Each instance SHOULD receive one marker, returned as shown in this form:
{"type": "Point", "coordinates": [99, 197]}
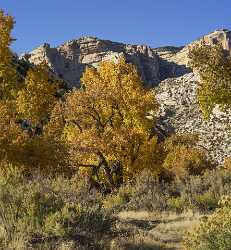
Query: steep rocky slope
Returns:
{"type": "Point", "coordinates": [69, 60]}
{"type": "Point", "coordinates": [174, 61]}
{"type": "Point", "coordinates": [165, 68]}
{"type": "Point", "coordinates": [177, 95]}
{"type": "Point", "coordinates": [180, 113]}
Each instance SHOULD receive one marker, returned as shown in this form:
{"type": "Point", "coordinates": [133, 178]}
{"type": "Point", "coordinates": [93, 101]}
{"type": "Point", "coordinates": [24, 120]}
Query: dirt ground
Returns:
{"type": "Point", "coordinates": [146, 231]}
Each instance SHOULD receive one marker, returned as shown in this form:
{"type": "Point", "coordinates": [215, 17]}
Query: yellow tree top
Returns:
{"type": "Point", "coordinates": [36, 100]}
{"type": "Point", "coordinates": [214, 67]}
{"type": "Point", "coordinates": [8, 75]}
{"type": "Point", "coordinates": [106, 119]}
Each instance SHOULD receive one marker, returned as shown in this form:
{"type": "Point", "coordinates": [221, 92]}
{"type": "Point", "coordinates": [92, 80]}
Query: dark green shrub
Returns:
{"type": "Point", "coordinates": [205, 202]}
{"type": "Point", "coordinates": [177, 204]}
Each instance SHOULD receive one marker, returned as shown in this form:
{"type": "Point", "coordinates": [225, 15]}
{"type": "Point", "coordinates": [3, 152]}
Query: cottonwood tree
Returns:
{"type": "Point", "coordinates": [106, 123]}
{"type": "Point", "coordinates": [41, 150]}
{"type": "Point", "coordinates": [36, 100]}
{"type": "Point", "coordinates": [9, 132]}
{"type": "Point", "coordinates": [33, 101]}
{"type": "Point", "coordinates": [45, 153]}
{"type": "Point", "coordinates": [183, 157]}
{"type": "Point", "coordinates": [8, 77]}
{"type": "Point", "coordinates": [214, 67]}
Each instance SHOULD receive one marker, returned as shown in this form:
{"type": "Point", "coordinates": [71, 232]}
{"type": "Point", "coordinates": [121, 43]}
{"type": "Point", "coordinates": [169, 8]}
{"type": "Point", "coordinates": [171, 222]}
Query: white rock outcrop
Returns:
{"type": "Point", "coordinates": [179, 110]}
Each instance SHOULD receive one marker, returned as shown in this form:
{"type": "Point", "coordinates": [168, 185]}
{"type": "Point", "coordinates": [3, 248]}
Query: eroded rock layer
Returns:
{"type": "Point", "coordinates": [69, 60]}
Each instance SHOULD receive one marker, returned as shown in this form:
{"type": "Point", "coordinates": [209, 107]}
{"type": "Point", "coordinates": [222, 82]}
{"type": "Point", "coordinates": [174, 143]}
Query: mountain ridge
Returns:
{"type": "Point", "coordinates": [69, 60]}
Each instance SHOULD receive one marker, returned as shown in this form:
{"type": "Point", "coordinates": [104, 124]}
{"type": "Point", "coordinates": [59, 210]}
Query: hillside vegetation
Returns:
{"type": "Point", "coordinates": [74, 163]}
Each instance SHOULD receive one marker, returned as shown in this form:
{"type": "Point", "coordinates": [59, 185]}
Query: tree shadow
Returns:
{"type": "Point", "coordinates": [144, 224]}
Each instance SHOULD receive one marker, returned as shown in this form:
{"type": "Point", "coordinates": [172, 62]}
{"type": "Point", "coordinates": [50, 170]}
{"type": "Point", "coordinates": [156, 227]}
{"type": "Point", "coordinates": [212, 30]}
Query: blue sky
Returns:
{"type": "Point", "coordinates": [152, 22]}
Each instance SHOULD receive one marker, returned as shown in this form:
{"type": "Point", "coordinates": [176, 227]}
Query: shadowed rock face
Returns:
{"type": "Point", "coordinates": [222, 36]}
{"type": "Point", "coordinates": [174, 61]}
{"type": "Point", "coordinates": [69, 60]}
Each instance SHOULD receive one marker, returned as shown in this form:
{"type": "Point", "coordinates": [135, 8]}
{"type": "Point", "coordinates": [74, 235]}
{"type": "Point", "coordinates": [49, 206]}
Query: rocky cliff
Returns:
{"type": "Point", "coordinates": [180, 113]}
{"type": "Point", "coordinates": [174, 61]}
{"type": "Point", "coordinates": [167, 69]}
{"type": "Point", "coordinates": [69, 60]}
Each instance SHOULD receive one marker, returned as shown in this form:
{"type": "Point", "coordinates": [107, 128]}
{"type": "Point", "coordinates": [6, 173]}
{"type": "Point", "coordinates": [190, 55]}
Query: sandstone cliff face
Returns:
{"type": "Point", "coordinates": [219, 36]}
{"type": "Point", "coordinates": [174, 61]}
{"type": "Point", "coordinates": [69, 60]}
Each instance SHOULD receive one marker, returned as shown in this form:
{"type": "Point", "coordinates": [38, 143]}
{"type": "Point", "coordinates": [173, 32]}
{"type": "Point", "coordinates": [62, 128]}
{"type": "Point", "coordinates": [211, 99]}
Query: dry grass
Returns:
{"type": "Point", "coordinates": [153, 230]}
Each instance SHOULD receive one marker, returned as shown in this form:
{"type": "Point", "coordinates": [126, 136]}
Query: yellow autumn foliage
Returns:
{"type": "Point", "coordinates": [182, 157]}
{"type": "Point", "coordinates": [214, 67]}
{"type": "Point", "coordinates": [8, 78]}
{"type": "Point", "coordinates": [213, 232]}
{"type": "Point", "coordinates": [36, 100]}
{"type": "Point", "coordinates": [106, 119]}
